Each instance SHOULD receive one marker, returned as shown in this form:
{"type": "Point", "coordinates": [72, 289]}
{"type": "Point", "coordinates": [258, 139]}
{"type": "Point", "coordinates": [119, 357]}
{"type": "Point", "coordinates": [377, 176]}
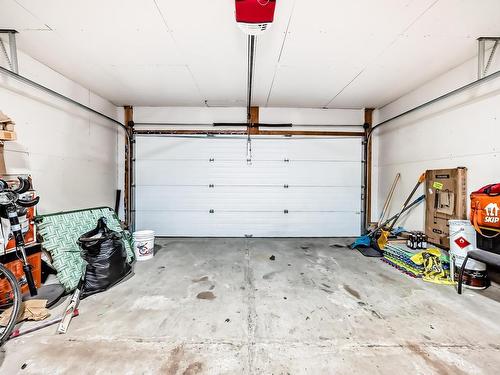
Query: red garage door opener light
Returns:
{"type": "Point", "coordinates": [255, 16]}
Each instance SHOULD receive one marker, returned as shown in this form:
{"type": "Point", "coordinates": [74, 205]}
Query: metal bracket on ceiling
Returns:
{"type": "Point", "coordinates": [483, 64]}
{"type": "Point", "coordinates": [12, 57]}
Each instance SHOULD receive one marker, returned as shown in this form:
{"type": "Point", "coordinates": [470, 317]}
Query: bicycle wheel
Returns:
{"type": "Point", "coordinates": [10, 297]}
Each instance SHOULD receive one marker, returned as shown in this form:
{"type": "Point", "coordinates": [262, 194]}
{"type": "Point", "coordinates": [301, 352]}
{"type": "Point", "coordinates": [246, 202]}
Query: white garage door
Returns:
{"type": "Point", "coordinates": [204, 187]}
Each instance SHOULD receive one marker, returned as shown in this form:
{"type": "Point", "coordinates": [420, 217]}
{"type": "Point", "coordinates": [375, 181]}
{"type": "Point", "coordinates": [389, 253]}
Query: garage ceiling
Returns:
{"type": "Point", "coordinates": [321, 53]}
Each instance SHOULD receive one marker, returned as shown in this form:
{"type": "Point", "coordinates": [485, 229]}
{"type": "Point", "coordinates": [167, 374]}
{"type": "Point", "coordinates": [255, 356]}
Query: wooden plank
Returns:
{"type": "Point", "coordinates": [253, 128]}
{"type": "Point", "coordinates": [4, 119]}
{"type": "Point", "coordinates": [369, 160]}
{"type": "Point", "coordinates": [7, 135]}
{"type": "Point", "coordinates": [190, 132]}
{"type": "Point", "coordinates": [3, 167]}
{"type": "Point", "coordinates": [312, 133]}
{"type": "Point", "coordinates": [129, 124]}
{"type": "Point", "coordinates": [9, 127]}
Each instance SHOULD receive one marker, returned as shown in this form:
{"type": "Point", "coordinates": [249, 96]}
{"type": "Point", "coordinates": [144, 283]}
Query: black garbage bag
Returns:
{"type": "Point", "coordinates": [106, 257]}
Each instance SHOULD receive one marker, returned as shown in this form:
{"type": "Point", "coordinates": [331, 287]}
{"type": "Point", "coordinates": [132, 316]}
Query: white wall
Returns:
{"type": "Point", "coordinates": [71, 154]}
{"type": "Point", "coordinates": [463, 130]}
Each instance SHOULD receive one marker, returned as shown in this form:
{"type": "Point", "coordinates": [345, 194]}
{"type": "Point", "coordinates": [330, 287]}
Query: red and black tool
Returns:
{"type": "Point", "coordinates": [10, 202]}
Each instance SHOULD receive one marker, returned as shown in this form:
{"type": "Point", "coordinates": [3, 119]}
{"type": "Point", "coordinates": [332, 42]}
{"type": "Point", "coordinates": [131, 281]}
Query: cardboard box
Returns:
{"type": "Point", "coordinates": [3, 167]}
{"type": "Point", "coordinates": [14, 160]}
{"type": "Point", "coordinates": [446, 199]}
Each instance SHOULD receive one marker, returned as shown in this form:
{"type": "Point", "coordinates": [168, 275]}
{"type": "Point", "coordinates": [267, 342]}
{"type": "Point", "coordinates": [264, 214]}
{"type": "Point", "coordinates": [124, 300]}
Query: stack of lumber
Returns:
{"type": "Point", "coordinates": [7, 132]}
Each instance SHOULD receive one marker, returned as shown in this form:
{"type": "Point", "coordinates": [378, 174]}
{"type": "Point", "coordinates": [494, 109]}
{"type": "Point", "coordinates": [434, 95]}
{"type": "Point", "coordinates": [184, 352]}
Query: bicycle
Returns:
{"type": "Point", "coordinates": [10, 298]}
{"type": "Point", "coordinates": [10, 291]}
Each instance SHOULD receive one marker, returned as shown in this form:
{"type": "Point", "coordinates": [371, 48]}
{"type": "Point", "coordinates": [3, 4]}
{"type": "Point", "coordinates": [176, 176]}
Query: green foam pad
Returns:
{"type": "Point", "coordinates": [60, 233]}
{"type": "Point", "coordinates": [404, 251]}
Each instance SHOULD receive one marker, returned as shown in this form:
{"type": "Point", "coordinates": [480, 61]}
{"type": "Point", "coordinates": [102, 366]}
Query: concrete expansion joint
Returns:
{"type": "Point", "coordinates": [323, 343]}
{"type": "Point", "coordinates": [252, 311]}
{"type": "Point", "coordinates": [160, 340]}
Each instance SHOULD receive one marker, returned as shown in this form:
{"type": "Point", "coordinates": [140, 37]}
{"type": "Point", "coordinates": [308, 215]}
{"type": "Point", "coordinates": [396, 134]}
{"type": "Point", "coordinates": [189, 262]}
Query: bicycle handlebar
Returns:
{"type": "Point", "coordinates": [11, 195]}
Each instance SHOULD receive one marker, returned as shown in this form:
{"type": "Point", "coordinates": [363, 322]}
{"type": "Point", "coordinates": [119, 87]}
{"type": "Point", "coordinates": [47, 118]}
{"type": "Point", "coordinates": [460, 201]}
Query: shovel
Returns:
{"type": "Point", "coordinates": [367, 238]}
{"type": "Point", "coordinates": [384, 236]}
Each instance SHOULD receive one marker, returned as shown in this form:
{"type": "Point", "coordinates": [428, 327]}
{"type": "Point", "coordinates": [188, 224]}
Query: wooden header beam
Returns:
{"type": "Point", "coordinates": [312, 133]}
{"type": "Point", "coordinates": [368, 166]}
{"type": "Point", "coordinates": [127, 196]}
{"type": "Point", "coordinates": [253, 129]}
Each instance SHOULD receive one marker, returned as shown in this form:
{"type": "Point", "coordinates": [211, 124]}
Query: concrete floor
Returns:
{"type": "Point", "coordinates": [221, 306]}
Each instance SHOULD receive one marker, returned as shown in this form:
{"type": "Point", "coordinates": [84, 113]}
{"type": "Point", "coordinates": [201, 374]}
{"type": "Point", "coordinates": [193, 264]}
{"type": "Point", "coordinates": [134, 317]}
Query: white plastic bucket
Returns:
{"type": "Point", "coordinates": [463, 240]}
{"type": "Point", "coordinates": [144, 244]}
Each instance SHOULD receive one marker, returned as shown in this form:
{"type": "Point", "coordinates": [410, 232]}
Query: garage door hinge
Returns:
{"type": "Point", "coordinates": [212, 211]}
{"type": "Point", "coordinates": [286, 186]}
{"type": "Point", "coordinates": [285, 211]}
{"type": "Point", "coordinates": [211, 186]}
{"type": "Point", "coordinates": [287, 160]}
{"type": "Point", "coordinates": [248, 235]}
{"type": "Point", "coordinates": [211, 160]}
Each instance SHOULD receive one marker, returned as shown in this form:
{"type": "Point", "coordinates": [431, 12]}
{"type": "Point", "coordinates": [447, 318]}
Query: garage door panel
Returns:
{"type": "Point", "coordinates": [292, 187]}
{"type": "Point", "coordinates": [203, 198]}
{"type": "Point", "coordinates": [189, 224]}
{"type": "Point", "coordinates": [192, 172]}
{"type": "Point", "coordinates": [341, 149]}
{"type": "Point", "coordinates": [158, 148]}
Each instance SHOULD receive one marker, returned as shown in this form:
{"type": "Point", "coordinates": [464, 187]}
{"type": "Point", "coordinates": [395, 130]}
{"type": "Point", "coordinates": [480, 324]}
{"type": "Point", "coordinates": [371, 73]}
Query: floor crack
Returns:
{"type": "Point", "coordinates": [252, 312]}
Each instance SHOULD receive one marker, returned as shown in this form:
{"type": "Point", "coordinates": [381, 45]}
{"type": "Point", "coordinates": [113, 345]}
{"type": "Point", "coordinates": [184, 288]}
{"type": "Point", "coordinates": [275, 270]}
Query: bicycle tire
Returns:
{"type": "Point", "coordinates": [8, 276]}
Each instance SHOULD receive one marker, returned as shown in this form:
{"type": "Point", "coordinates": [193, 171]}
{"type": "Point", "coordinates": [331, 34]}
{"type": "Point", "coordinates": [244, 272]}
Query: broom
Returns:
{"type": "Point", "coordinates": [366, 239]}
{"type": "Point", "coordinates": [388, 199]}
{"type": "Point", "coordinates": [384, 236]}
